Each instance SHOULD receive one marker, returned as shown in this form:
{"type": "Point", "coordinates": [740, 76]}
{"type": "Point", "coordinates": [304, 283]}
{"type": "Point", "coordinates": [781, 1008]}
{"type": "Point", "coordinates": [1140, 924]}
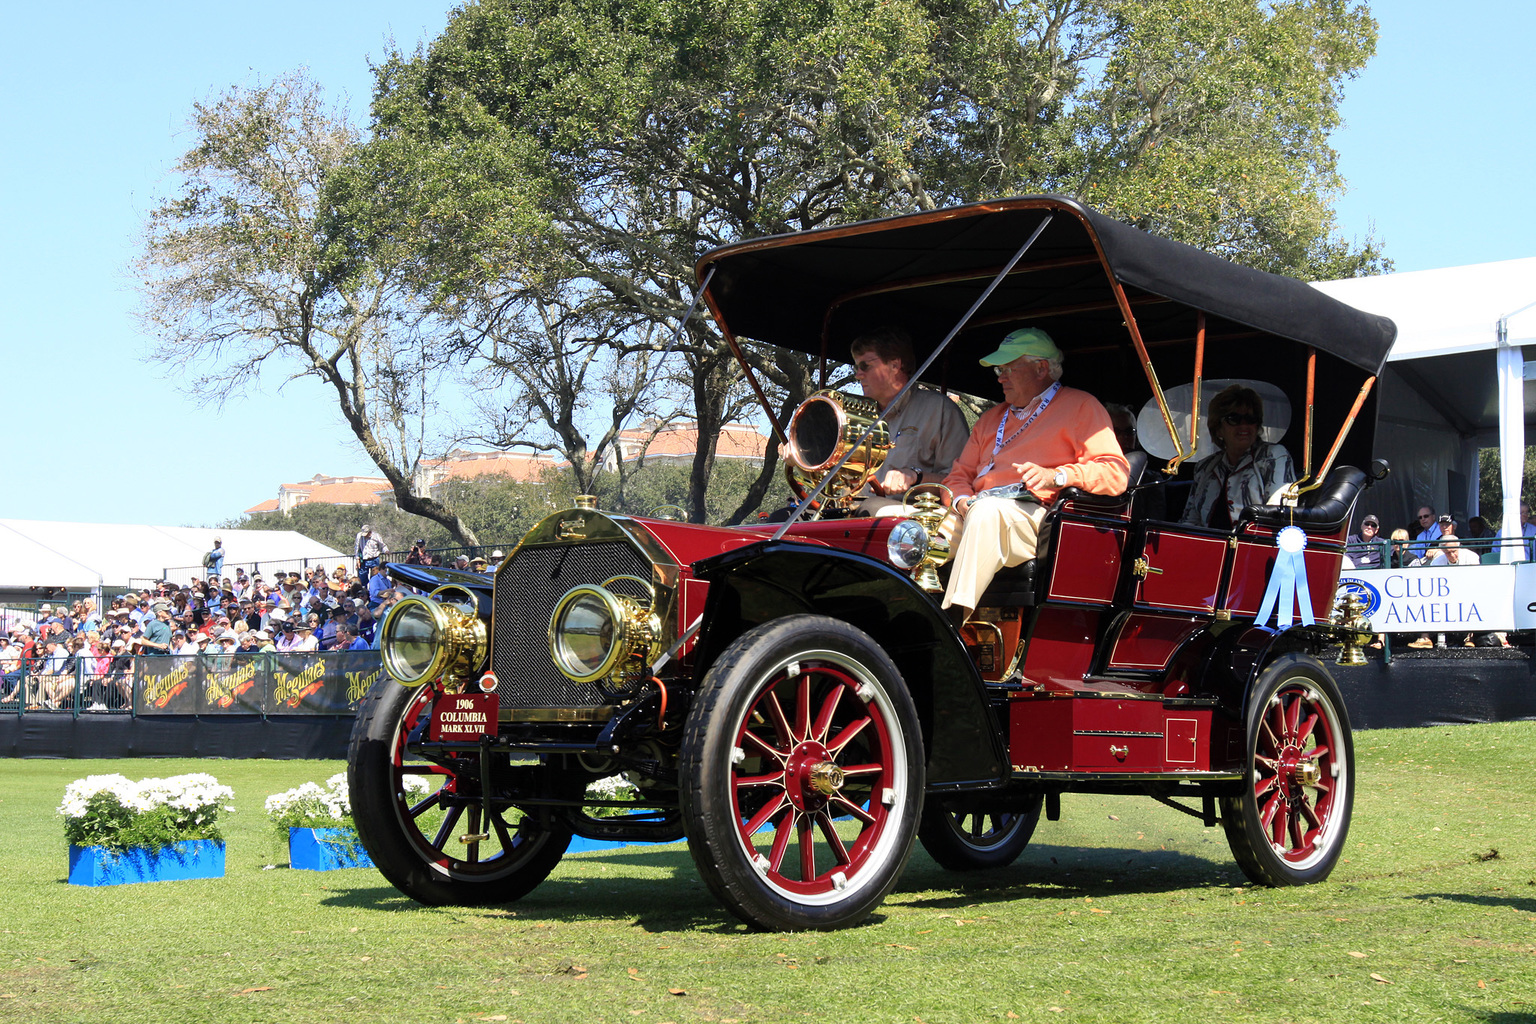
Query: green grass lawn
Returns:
{"type": "Point", "coordinates": [1122, 911]}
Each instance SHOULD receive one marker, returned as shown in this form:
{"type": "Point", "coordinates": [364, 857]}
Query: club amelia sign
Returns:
{"type": "Point", "coordinates": [1468, 598]}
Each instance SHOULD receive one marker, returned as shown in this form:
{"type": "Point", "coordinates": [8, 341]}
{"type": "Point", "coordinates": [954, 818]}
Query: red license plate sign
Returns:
{"type": "Point", "coordinates": [464, 716]}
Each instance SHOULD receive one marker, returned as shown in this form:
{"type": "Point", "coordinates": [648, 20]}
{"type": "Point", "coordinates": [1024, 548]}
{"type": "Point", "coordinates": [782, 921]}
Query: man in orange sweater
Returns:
{"type": "Point", "coordinates": [1041, 438]}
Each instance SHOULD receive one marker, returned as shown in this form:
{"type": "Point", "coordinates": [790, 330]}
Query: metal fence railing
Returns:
{"type": "Point", "coordinates": [312, 683]}
{"type": "Point", "coordinates": [1488, 549]}
{"type": "Point", "coordinates": [14, 615]}
{"type": "Point", "coordinates": [183, 575]}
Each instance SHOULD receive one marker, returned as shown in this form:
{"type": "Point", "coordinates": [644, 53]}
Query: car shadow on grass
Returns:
{"type": "Point", "coordinates": [1524, 904]}
{"type": "Point", "coordinates": [656, 888]}
{"type": "Point", "coordinates": [1065, 872]}
{"type": "Point", "coordinates": [659, 890]}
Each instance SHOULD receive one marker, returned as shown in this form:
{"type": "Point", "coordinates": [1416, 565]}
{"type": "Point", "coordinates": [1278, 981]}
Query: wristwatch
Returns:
{"type": "Point", "coordinates": [1060, 479]}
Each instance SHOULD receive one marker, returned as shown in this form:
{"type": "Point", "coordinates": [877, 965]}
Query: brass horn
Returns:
{"type": "Point", "coordinates": [823, 429]}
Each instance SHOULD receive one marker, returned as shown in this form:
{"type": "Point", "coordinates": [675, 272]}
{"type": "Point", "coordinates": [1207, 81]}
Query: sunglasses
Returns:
{"type": "Point", "coordinates": [1426, 517]}
{"type": "Point", "coordinates": [1240, 419]}
{"type": "Point", "coordinates": [863, 365]}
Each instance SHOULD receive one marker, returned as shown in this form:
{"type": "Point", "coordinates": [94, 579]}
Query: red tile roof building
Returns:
{"type": "Point", "coordinates": [325, 490]}
{"type": "Point", "coordinates": [674, 443]}
{"type": "Point", "coordinates": [679, 441]}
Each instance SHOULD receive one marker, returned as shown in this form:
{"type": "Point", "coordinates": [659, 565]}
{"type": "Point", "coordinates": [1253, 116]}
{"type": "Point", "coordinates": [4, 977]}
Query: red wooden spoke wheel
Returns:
{"type": "Point", "coordinates": [1287, 825]}
{"type": "Point", "coordinates": [438, 847]}
{"type": "Point", "coordinates": [971, 840]}
{"type": "Point", "coordinates": [804, 770]}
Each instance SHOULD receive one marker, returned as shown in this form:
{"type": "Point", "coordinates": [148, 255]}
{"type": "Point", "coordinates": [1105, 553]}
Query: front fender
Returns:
{"type": "Point", "coordinates": [1231, 659]}
{"type": "Point", "coordinates": [756, 584]}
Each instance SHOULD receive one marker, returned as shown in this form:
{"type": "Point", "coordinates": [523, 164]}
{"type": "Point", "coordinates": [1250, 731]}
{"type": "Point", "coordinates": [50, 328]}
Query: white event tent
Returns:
{"type": "Point", "coordinates": [83, 557]}
{"type": "Point", "coordinates": [1459, 378]}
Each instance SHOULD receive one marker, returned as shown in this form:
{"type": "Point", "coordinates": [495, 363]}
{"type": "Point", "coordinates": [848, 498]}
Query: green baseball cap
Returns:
{"type": "Point", "coordinates": [1026, 341]}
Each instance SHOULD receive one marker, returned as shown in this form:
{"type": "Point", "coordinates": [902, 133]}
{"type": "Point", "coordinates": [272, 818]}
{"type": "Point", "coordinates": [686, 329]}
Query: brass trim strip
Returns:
{"type": "Point", "coordinates": [1117, 732]}
{"type": "Point", "coordinates": [1306, 443]}
{"type": "Point", "coordinates": [1027, 772]}
{"type": "Point", "coordinates": [1338, 442]}
{"type": "Point", "coordinates": [1179, 458]}
{"type": "Point", "coordinates": [597, 714]}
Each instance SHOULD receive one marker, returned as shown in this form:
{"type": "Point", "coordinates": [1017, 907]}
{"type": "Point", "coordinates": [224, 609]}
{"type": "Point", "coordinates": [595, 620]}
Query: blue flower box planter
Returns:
{"type": "Point", "coordinates": [581, 844]}
{"type": "Point", "coordinates": [96, 865]}
{"type": "Point", "coordinates": [325, 849]}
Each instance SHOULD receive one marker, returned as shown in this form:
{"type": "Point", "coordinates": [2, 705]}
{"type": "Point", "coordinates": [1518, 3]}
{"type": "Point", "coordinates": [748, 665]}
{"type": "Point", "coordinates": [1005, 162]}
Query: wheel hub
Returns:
{"type": "Point", "coordinates": [1297, 772]}
{"type": "Point", "coordinates": [811, 776]}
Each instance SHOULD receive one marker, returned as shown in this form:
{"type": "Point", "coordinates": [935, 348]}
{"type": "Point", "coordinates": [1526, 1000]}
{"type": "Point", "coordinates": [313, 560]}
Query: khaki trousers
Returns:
{"type": "Point", "coordinates": [996, 532]}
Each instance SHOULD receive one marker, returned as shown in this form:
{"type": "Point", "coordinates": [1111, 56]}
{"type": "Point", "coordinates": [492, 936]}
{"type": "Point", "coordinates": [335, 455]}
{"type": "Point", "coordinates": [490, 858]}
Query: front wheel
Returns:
{"type": "Point", "coordinates": [1288, 823]}
{"type": "Point", "coordinates": [423, 821]}
{"type": "Point", "coordinates": [978, 840]}
{"type": "Point", "coordinates": [802, 768]}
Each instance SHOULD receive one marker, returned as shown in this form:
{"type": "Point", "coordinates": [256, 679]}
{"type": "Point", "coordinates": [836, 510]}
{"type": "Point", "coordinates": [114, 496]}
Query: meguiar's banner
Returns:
{"type": "Point", "coordinates": [247, 684]}
{"type": "Point", "coordinates": [232, 683]}
{"type": "Point", "coordinates": [167, 685]}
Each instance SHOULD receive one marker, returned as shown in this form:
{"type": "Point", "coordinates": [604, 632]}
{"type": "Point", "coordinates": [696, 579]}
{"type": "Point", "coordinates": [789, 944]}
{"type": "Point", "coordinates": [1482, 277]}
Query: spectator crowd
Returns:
{"type": "Point", "coordinates": [1437, 540]}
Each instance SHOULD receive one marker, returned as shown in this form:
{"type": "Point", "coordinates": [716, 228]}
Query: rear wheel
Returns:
{"type": "Point", "coordinates": [423, 823]}
{"type": "Point", "coordinates": [1288, 824]}
{"type": "Point", "coordinates": [802, 769]}
{"type": "Point", "coordinates": [977, 840]}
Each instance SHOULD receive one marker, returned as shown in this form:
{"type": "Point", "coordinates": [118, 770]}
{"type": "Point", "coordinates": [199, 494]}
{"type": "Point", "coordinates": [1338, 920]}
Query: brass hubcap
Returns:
{"type": "Point", "coordinates": [1308, 773]}
{"type": "Point", "coordinates": [826, 778]}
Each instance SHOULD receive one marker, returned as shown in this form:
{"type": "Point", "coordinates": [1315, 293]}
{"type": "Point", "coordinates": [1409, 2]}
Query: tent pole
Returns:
{"type": "Point", "coordinates": [1511, 371]}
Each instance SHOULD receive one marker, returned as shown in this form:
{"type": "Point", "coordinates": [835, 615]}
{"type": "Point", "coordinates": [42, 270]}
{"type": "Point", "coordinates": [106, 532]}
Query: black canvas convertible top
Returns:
{"type": "Point", "coordinates": [816, 291]}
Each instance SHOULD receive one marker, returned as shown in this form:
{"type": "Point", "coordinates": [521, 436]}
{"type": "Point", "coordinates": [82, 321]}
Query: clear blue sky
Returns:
{"type": "Point", "coordinates": [1437, 150]}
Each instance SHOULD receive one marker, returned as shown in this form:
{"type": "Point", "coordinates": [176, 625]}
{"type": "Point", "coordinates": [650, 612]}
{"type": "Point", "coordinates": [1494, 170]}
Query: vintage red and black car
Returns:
{"type": "Point", "coordinates": [790, 700]}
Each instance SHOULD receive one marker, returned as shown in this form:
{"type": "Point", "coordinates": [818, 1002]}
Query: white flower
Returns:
{"type": "Point", "coordinates": [614, 787]}
{"type": "Point", "coordinates": [197, 797]}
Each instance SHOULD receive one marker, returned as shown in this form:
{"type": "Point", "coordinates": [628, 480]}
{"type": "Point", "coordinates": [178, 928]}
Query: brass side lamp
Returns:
{"type": "Point", "coordinates": [1349, 613]}
{"type": "Point", "coordinates": [929, 512]}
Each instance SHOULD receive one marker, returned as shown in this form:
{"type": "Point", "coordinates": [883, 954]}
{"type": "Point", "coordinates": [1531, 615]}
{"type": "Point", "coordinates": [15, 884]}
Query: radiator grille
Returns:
{"type": "Point", "coordinates": [526, 592]}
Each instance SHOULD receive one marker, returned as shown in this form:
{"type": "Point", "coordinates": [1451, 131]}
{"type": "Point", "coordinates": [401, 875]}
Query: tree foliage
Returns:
{"type": "Point", "coordinates": [523, 218]}
{"type": "Point", "coordinates": [1490, 484]}
{"type": "Point", "coordinates": [583, 154]}
{"type": "Point", "coordinates": [243, 273]}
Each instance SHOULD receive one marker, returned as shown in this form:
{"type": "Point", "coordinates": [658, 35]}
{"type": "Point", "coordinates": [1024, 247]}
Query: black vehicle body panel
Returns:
{"type": "Point", "coordinates": [756, 584]}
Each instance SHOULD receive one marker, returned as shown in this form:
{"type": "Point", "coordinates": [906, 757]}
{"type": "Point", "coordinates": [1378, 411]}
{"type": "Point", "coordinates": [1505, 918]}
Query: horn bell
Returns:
{"type": "Point", "coordinates": [824, 428]}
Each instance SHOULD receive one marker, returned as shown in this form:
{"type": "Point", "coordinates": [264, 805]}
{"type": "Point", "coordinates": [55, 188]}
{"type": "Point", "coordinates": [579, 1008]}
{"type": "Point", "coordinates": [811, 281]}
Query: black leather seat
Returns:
{"type": "Point", "coordinates": [1324, 510]}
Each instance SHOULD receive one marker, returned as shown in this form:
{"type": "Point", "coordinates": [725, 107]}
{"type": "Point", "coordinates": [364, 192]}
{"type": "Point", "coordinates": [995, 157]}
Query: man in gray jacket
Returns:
{"type": "Point", "coordinates": [927, 429]}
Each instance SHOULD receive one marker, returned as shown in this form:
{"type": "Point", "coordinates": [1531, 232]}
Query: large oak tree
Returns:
{"type": "Point", "coordinates": [592, 150]}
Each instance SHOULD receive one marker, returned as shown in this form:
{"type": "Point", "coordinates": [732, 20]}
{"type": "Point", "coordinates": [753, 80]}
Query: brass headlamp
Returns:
{"type": "Point", "coordinates": [930, 510]}
{"type": "Point", "coordinates": [423, 639]}
{"type": "Point", "coordinates": [595, 633]}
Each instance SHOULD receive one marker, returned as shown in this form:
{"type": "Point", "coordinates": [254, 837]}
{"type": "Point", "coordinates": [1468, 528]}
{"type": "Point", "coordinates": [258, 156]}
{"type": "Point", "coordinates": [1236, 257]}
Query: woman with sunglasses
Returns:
{"type": "Point", "coordinates": [1245, 470]}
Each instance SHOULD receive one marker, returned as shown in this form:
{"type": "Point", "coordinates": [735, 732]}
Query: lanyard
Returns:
{"type": "Point", "coordinates": [1000, 442]}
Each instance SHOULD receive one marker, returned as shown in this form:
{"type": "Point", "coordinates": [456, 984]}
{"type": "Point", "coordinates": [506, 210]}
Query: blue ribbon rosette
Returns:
{"type": "Point", "coordinates": [1288, 581]}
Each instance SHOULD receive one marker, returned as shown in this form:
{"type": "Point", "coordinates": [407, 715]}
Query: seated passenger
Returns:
{"type": "Point", "coordinates": [1041, 438]}
{"type": "Point", "coordinates": [1245, 470]}
{"type": "Point", "coordinates": [927, 430]}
